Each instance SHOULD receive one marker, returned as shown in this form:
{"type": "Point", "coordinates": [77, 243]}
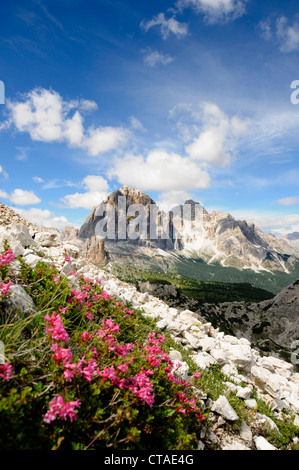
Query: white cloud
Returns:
{"type": "Point", "coordinates": [38, 180]}
{"type": "Point", "coordinates": [168, 200]}
{"type": "Point", "coordinates": [269, 222]}
{"type": "Point", "coordinates": [3, 172]}
{"type": "Point", "coordinates": [95, 183]}
{"type": "Point", "coordinates": [24, 198]}
{"type": "Point", "coordinates": [217, 141]}
{"type": "Point", "coordinates": [288, 35]}
{"type": "Point", "coordinates": [97, 190]}
{"type": "Point", "coordinates": [167, 26]}
{"type": "Point", "coordinates": [136, 125]}
{"type": "Point", "coordinates": [288, 201]}
{"type": "Point", "coordinates": [3, 194]}
{"type": "Point", "coordinates": [216, 10]}
{"type": "Point", "coordinates": [153, 58]}
{"type": "Point", "coordinates": [104, 139]}
{"type": "Point", "coordinates": [43, 218]}
{"type": "Point", "coordinates": [160, 171]}
{"type": "Point", "coordinates": [265, 29]}
{"type": "Point", "coordinates": [48, 118]}
{"type": "Point", "coordinates": [284, 33]}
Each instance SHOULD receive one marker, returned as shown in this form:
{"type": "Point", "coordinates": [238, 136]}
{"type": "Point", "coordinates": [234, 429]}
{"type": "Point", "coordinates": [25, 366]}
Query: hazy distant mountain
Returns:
{"type": "Point", "coordinates": [293, 239]}
{"type": "Point", "coordinates": [216, 237]}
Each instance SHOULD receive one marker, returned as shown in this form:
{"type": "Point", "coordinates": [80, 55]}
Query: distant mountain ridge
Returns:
{"type": "Point", "coordinates": [293, 239]}
{"type": "Point", "coordinates": [216, 237]}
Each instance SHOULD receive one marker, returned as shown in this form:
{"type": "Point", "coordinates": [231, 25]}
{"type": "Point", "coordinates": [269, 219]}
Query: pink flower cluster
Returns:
{"type": "Point", "coordinates": [6, 371]}
{"type": "Point", "coordinates": [155, 355]}
{"type": "Point", "coordinates": [106, 341]}
{"type": "Point", "coordinates": [4, 288]}
{"type": "Point", "coordinates": [56, 328]}
{"type": "Point", "coordinates": [59, 408]}
{"type": "Point", "coordinates": [7, 257]}
{"type": "Point", "coordinates": [140, 385]}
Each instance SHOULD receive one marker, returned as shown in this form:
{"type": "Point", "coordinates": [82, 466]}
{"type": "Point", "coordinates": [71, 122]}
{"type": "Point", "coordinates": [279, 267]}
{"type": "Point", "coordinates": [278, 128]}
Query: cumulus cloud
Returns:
{"type": "Point", "coordinates": [170, 199]}
{"type": "Point", "coordinates": [43, 218]}
{"type": "Point", "coordinates": [216, 10]}
{"type": "Point", "coordinates": [24, 198]}
{"type": "Point", "coordinates": [47, 117]}
{"type": "Point", "coordinates": [153, 58]}
{"type": "Point", "coordinates": [96, 191]}
{"type": "Point", "coordinates": [218, 138]}
{"type": "Point", "coordinates": [167, 26]}
{"type": "Point", "coordinates": [160, 171]}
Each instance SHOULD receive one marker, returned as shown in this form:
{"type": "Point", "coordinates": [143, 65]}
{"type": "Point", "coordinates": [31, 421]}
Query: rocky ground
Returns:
{"type": "Point", "coordinates": [271, 379]}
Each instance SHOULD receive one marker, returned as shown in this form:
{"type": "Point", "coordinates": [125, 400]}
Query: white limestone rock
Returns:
{"type": "Point", "coordinates": [246, 433]}
{"type": "Point", "coordinates": [203, 360]}
{"type": "Point", "coordinates": [262, 444]}
{"type": "Point", "coordinates": [181, 369]}
{"type": "Point", "coordinates": [224, 408]}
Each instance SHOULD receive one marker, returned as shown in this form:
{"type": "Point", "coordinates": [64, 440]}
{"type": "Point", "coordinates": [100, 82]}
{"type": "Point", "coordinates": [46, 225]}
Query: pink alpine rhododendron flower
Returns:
{"type": "Point", "coordinates": [62, 309]}
{"type": "Point", "coordinates": [130, 312]}
{"type": "Point", "coordinates": [104, 295]}
{"type": "Point", "coordinates": [89, 315]}
{"type": "Point", "coordinates": [58, 408]}
{"type": "Point", "coordinates": [123, 368]}
{"type": "Point", "coordinates": [72, 369]}
{"type": "Point", "coordinates": [6, 371]}
{"type": "Point", "coordinates": [61, 355]}
{"type": "Point", "coordinates": [142, 387]}
{"type": "Point", "coordinates": [7, 257]}
{"type": "Point", "coordinates": [90, 370]}
{"type": "Point", "coordinates": [197, 375]}
{"type": "Point", "coordinates": [85, 336]}
{"type": "Point", "coordinates": [4, 288]}
{"type": "Point", "coordinates": [110, 325]}
{"type": "Point", "coordinates": [56, 328]}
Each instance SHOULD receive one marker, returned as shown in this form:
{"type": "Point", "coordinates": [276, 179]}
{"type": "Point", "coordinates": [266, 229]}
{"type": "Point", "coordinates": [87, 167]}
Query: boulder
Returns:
{"type": "Point", "coordinates": [262, 444]}
{"type": "Point", "coordinates": [17, 305]}
{"type": "Point", "coordinates": [181, 369]}
{"type": "Point", "coordinates": [21, 233]}
{"type": "Point", "coordinates": [224, 408]}
{"type": "Point", "coordinates": [47, 239]}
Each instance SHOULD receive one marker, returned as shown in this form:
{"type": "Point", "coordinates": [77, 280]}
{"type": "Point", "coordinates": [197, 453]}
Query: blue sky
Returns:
{"type": "Point", "coordinates": [187, 98]}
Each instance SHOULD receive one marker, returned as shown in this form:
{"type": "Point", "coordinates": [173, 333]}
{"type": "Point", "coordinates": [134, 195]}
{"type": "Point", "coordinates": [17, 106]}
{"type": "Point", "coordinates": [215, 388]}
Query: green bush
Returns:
{"type": "Point", "coordinates": [87, 372]}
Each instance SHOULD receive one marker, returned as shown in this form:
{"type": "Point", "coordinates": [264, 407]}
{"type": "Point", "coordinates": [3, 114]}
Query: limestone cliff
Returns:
{"type": "Point", "coordinates": [216, 237]}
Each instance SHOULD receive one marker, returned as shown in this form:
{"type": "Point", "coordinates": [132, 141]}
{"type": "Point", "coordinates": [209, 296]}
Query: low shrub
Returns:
{"type": "Point", "coordinates": [86, 371]}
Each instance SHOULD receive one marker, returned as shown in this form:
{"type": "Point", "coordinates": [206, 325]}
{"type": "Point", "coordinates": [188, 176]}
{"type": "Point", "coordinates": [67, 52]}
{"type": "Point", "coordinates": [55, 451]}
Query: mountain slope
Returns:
{"type": "Point", "coordinates": [272, 325]}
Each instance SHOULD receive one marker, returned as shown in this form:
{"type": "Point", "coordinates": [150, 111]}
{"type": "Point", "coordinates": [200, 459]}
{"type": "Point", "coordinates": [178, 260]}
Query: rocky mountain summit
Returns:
{"type": "Point", "coordinates": [248, 373]}
{"type": "Point", "coordinates": [216, 237]}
